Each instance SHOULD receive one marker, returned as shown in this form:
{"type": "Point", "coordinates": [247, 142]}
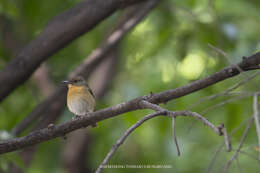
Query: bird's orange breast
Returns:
{"type": "Point", "coordinates": [75, 91]}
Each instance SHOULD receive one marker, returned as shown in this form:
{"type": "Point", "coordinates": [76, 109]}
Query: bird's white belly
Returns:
{"type": "Point", "coordinates": [78, 106]}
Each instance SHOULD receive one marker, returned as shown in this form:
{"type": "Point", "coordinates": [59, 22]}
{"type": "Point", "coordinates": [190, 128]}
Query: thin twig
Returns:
{"type": "Point", "coordinates": [225, 102]}
{"type": "Point", "coordinates": [123, 138]}
{"type": "Point", "coordinates": [174, 136]}
{"type": "Point", "coordinates": [245, 95]}
{"type": "Point", "coordinates": [256, 118]}
{"type": "Point", "coordinates": [229, 162]}
{"type": "Point", "coordinates": [227, 140]}
{"type": "Point", "coordinates": [203, 112]}
{"type": "Point", "coordinates": [226, 92]}
{"type": "Point", "coordinates": [148, 105]}
{"type": "Point", "coordinates": [222, 145]}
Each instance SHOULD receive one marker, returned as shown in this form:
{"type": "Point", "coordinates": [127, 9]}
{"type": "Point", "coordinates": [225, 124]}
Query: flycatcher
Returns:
{"type": "Point", "coordinates": [80, 98]}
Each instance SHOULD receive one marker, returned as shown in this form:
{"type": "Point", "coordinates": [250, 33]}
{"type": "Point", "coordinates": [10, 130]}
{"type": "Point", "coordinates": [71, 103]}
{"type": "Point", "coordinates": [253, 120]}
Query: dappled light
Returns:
{"type": "Point", "coordinates": [192, 65]}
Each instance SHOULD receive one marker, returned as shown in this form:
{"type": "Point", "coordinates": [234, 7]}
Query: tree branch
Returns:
{"type": "Point", "coordinates": [159, 112]}
{"type": "Point", "coordinates": [63, 29]}
{"type": "Point", "coordinates": [147, 105]}
{"type": "Point", "coordinates": [162, 97]}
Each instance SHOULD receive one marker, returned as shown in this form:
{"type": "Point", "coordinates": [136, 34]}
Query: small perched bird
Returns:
{"type": "Point", "coordinates": [80, 98]}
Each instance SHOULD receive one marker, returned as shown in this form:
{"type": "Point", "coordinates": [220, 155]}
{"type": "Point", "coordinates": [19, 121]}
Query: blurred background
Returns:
{"type": "Point", "coordinates": [169, 49]}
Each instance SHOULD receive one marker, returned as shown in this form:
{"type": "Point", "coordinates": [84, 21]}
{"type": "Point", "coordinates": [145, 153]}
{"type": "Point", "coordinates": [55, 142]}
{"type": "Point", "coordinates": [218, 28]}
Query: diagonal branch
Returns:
{"type": "Point", "coordinates": [147, 105]}
{"type": "Point", "coordinates": [162, 97]}
{"type": "Point", "coordinates": [63, 29]}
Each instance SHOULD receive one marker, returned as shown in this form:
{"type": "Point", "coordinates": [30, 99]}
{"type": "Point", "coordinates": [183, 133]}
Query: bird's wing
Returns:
{"type": "Point", "coordinates": [91, 92]}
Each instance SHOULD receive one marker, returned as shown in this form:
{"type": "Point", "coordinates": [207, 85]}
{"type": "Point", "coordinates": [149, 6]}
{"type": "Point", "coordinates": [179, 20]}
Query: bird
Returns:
{"type": "Point", "coordinates": [80, 97]}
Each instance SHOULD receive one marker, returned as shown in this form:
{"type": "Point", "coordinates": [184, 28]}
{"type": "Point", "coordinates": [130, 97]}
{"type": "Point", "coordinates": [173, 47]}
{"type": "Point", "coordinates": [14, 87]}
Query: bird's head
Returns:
{"type": "Point", "coordinates": [76, 81]}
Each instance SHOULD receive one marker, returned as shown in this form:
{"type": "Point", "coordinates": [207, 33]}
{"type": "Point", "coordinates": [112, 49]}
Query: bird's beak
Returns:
{"type": "Point", "coordinates": [66, 82]}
